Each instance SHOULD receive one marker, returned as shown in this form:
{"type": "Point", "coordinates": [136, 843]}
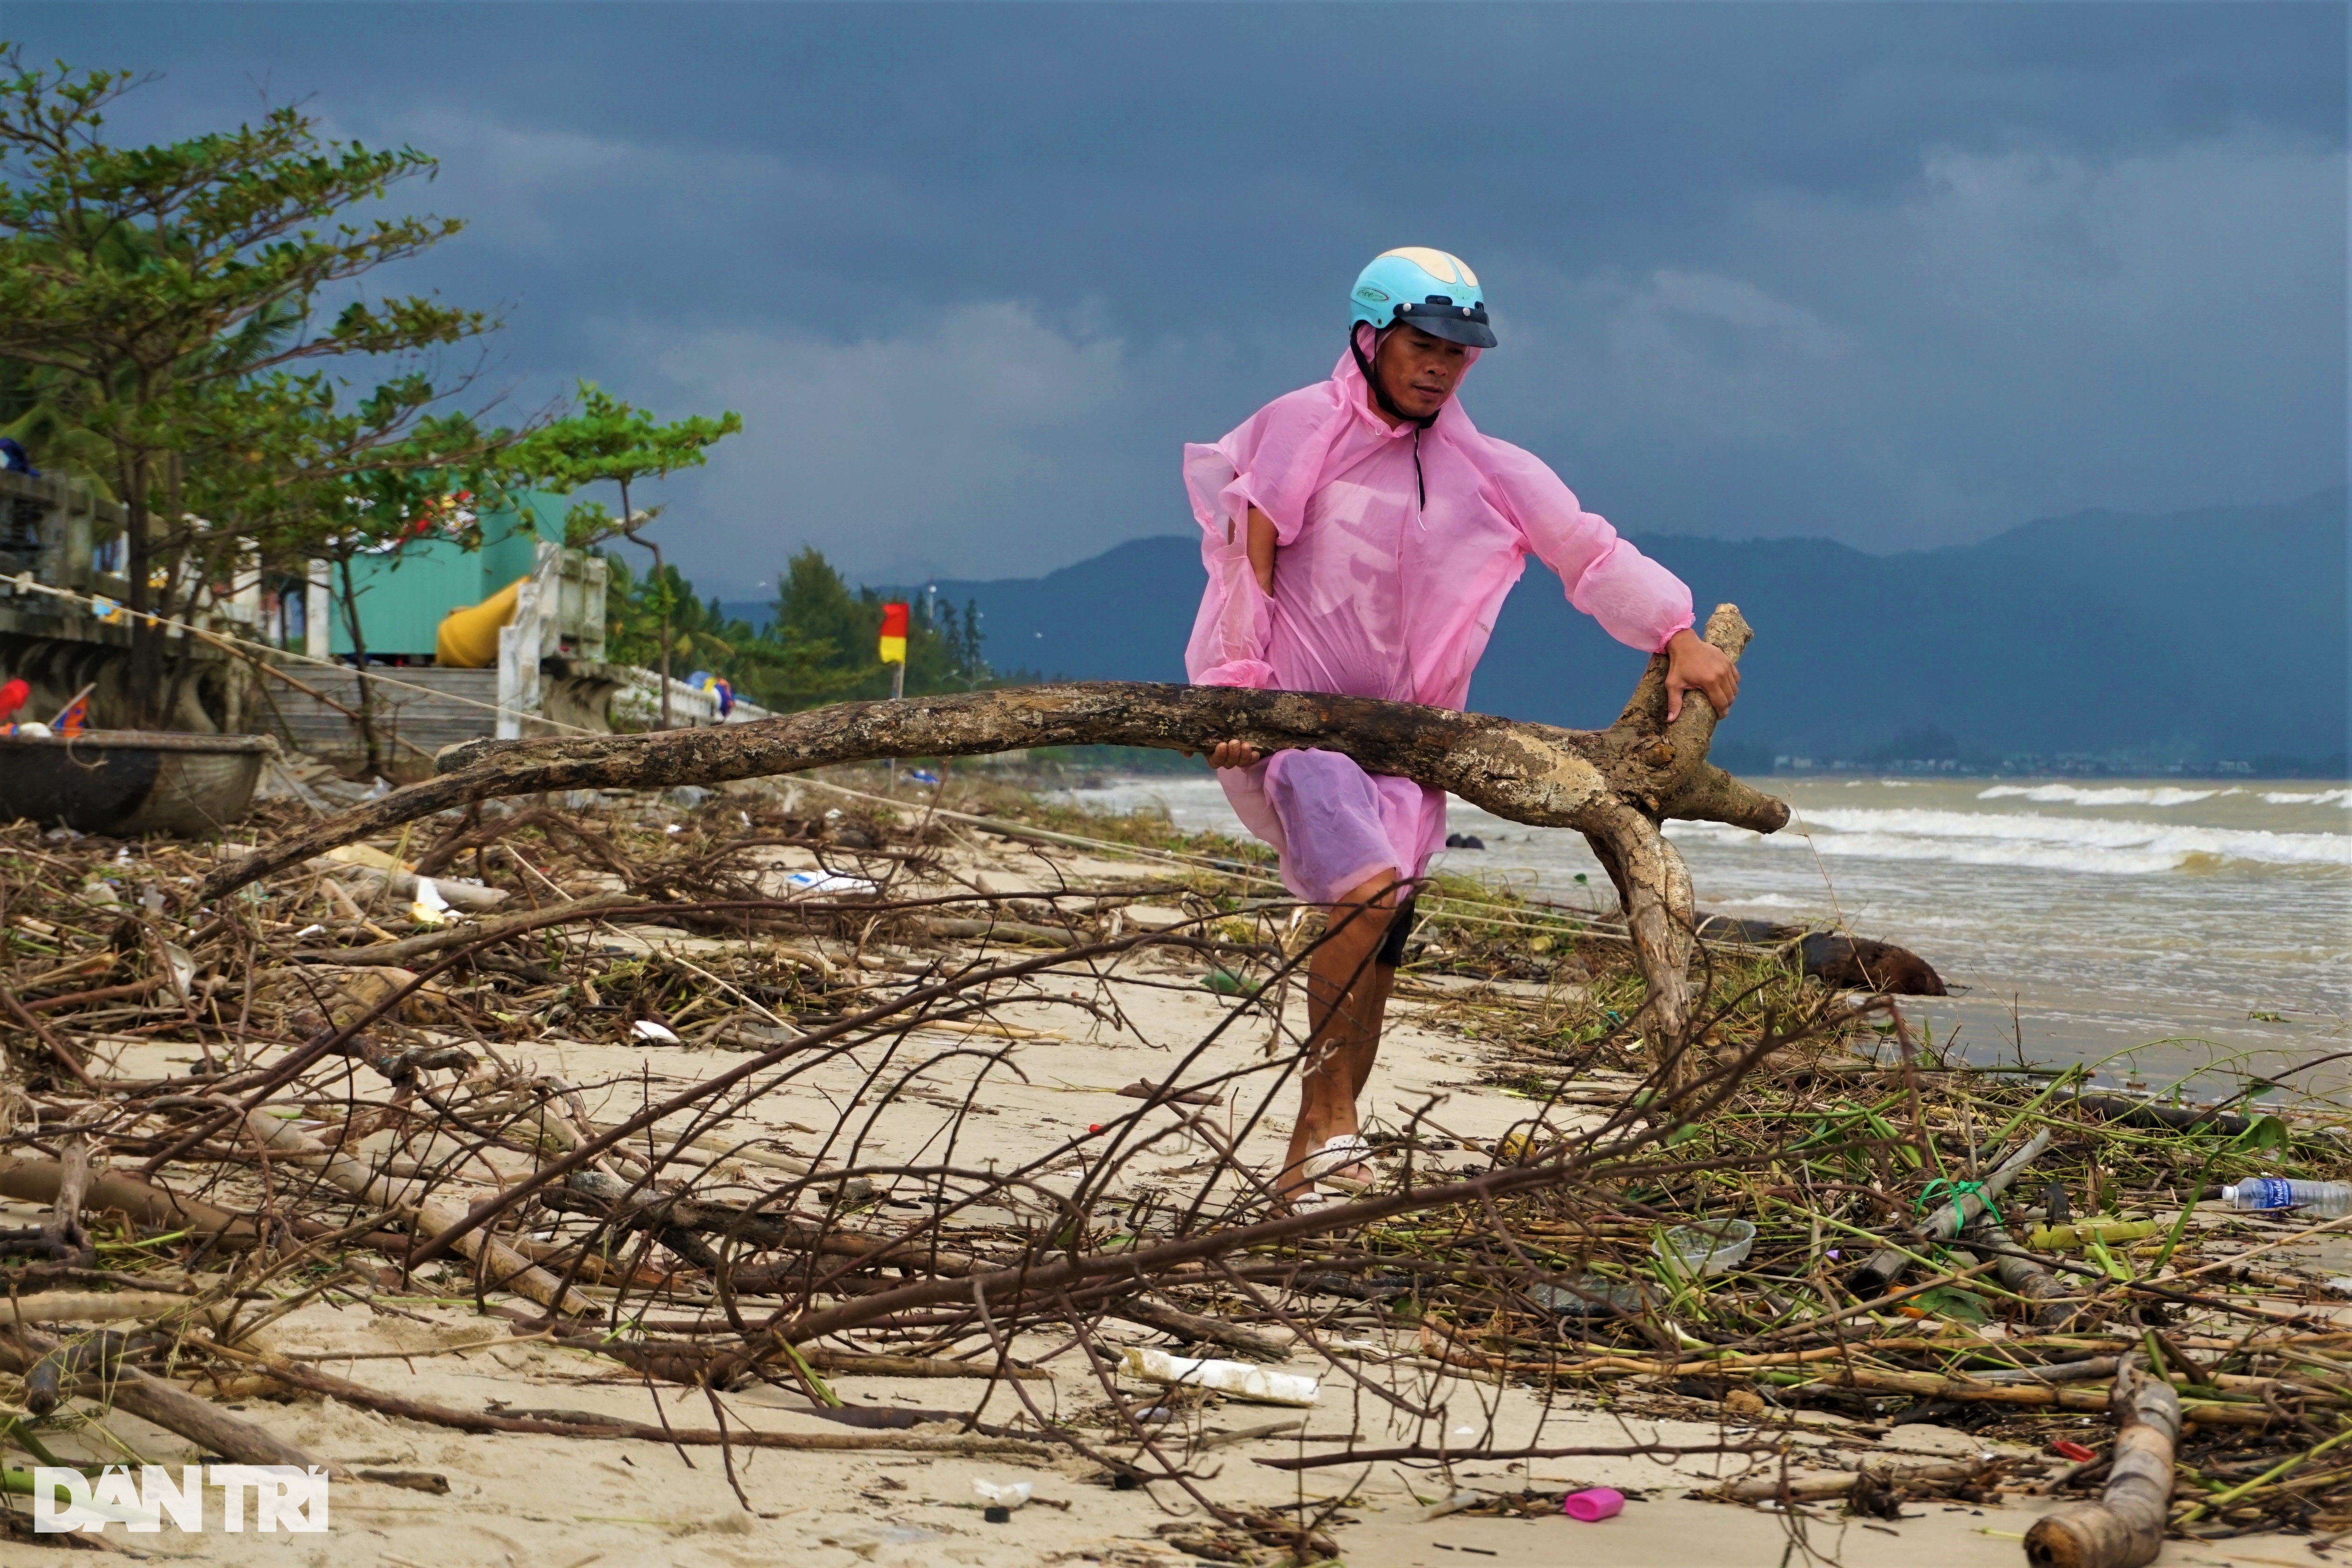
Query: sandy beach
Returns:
{"type": "Point", "coordinates": [1025, 1086]}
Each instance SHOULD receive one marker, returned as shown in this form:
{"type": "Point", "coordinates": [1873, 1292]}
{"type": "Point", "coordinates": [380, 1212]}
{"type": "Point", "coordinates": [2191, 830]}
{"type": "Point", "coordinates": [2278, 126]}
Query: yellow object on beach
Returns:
{"type": "Point", "coordinates": [2082, 1232]}
{"type": "Point", "coordinates": [468, 638]}
{"type": "Point", "coordinates": [367, 855]}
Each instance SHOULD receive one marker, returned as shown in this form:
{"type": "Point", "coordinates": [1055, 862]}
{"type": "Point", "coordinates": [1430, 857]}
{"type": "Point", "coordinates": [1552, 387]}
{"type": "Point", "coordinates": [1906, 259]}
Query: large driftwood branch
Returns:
{"type": "Point", "coordinates": [1616, 786]}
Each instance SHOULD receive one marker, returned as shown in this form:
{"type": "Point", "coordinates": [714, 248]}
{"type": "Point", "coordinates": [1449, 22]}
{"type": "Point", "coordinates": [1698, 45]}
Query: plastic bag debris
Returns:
{"type": "Point", "coordinates": [1234, 1379]}
{"type": "Point", "coordinates": [430, 908]}
{"type": "Point", "coordinates": [826, 882]}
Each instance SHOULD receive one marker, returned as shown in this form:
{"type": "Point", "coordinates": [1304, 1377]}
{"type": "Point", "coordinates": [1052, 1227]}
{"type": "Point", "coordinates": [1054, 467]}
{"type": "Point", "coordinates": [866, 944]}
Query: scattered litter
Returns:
{"type": "Point", "coordinates": [1593, 1296]}
{"type": "Point", "coordinates": [2320, 1199]}
{"type": "Point", "coordinates": [1593, 1504]}
{"type": "Point", "coordinates": [1234, 1379]}
{"type": "Point", "coordinates": [826, 882]}
{"type": "Point", "coordinates": [1006, 1495]}
{"type": "Point", "coordinates": [430, 908]}
{"type": "Point", "coordinates": [1712, 1247]}
{"type": "Point", "coordinates": [1825, 1121]}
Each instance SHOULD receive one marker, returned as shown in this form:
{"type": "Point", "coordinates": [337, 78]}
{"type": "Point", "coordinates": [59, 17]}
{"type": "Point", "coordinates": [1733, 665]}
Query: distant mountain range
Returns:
{"type": "Point", "coordinates": [2206, 639]}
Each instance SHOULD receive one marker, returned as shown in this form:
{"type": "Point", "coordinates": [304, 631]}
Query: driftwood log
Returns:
{"type": "Point", "coordinates": [2124, 1528]}
{"type": "Point", "coordinates": [211, 1429]}
{"type": "Point", "coordinates": [2055, 1300]}
{"type": "Point", "coordinates": [1616, 786]}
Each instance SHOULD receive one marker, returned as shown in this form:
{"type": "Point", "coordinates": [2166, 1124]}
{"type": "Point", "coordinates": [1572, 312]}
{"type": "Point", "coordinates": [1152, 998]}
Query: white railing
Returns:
{"type": "Point", "coordinates": [559, 609]}
{"type": "Point", "coordinates": [638, 702]}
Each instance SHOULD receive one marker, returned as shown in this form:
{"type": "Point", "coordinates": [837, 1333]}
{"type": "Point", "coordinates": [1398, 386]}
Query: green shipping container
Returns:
{"type": "Point", "coordinates": [402, 595]}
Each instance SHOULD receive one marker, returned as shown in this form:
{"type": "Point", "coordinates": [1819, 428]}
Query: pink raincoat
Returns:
{"type": "Point", "coordinates": [1377, 594]}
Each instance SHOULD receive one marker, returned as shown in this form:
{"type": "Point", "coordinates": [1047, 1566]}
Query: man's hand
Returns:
{"type": "Point", "coordinates": [1233, 754]}
{"type": "Point", "coordinates": [1693, 665]}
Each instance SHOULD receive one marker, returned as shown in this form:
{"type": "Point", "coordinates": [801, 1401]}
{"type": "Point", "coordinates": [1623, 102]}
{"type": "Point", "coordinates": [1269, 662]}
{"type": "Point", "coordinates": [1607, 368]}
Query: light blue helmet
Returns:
{"type": "Point", "coordinates": [1429, 289]}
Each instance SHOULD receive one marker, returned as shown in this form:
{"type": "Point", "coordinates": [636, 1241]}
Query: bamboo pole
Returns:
{"type": "Point", "coordinates": [2125, 1529]}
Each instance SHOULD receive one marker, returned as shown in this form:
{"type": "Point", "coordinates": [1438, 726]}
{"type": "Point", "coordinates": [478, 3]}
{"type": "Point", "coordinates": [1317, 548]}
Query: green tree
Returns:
{"type": "Point", "coordinates": [160, 300]}
{"type": "Point", "coordinates": [607, 441]}
{"type": "Point", "coordinates": [816, 606]}
{"type": "Point", "coordinates": [776, 667]}
{"type": "Point", "coordinates": [819, 645]}
{"type": "Point", "coordinates": [316, 476]}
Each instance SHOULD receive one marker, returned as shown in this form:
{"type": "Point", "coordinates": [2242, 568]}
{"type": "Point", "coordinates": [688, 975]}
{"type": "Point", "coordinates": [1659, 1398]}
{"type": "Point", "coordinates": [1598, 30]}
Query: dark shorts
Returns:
{"type": "Point", "coordinates": [1399, 927]}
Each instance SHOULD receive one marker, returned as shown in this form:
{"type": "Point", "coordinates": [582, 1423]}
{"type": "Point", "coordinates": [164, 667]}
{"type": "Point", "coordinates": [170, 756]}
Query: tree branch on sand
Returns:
{"type": "Point", "coordinates": [1616, 786]}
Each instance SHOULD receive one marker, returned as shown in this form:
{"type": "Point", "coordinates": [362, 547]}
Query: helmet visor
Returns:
{"type": "Point", "coordinates": [1465, 324]}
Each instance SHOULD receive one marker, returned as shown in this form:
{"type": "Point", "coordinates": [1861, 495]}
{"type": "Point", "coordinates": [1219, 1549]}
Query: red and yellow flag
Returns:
{"type": "Point", "coordinates": [894, 634]}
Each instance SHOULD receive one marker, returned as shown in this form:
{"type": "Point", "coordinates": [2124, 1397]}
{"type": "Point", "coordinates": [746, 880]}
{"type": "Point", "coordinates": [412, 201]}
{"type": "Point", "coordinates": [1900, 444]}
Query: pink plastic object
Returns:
{"type": "Point", "coordinates": [1592, 1507]}
{"type": "Point", "coordinates": [1379, 592]}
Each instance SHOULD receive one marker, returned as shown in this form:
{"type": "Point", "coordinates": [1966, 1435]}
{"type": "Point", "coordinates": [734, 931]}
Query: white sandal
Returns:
{"type": "Point", "coordinates": [1342, 1153]}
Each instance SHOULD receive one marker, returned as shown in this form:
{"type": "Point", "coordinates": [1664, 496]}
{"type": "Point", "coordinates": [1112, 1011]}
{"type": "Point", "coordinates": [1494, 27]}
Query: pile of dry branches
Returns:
{"type": "Point", "coordinates": [349, 1111]}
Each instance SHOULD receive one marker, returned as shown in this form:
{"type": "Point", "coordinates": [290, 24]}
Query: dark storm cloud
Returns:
{"type": "Point", "coordinates": [1900, 275]}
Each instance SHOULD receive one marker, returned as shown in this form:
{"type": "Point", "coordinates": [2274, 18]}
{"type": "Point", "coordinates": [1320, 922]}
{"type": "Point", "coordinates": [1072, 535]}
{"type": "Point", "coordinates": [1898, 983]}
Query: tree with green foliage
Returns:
{"type": "Point", "coordinates": [607, 441]}
{"type": "Point", "coordinates": [819, 645]}
{"type": "Point", "coordinates": [817, 606]}
{"type": "Point", "coordinates": [158, 301]}
{"type": "Point", "coordinates": [775, 666]}
{"type": "Point", "coordinates": [319, 481]}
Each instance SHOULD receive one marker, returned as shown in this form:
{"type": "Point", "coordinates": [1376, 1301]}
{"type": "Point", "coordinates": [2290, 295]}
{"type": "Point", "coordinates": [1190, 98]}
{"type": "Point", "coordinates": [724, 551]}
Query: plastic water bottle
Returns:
{"type": "Point", "coordinates": [2321, 1200]}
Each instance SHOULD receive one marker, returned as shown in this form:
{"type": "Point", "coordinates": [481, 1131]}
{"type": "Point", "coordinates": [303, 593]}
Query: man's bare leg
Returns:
{"type": "Point", "coordinates": [1347, 996]}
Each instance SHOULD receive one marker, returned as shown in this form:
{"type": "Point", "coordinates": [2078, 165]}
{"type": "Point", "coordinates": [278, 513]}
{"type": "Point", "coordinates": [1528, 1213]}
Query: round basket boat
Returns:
{"type": "Point", "coordinates": [125, 782]}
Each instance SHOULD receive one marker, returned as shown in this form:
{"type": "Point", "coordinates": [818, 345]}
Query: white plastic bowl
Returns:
{"type": "Point", "coordinates": [1712, 1247]}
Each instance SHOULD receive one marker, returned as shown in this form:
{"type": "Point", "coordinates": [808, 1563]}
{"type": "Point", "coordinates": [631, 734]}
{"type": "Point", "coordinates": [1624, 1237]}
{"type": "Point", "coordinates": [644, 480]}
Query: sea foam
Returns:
{"type": "Point", "coordinates": [2029, 839]}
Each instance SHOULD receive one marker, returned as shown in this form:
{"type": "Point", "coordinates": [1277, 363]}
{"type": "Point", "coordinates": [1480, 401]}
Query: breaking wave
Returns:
{"type": "Point", "coordinates": [2120, 795]}
{"type": "Point", "coordinates": [2313, 797]}
{"type": "Point", "coordinates": [2031, 840]}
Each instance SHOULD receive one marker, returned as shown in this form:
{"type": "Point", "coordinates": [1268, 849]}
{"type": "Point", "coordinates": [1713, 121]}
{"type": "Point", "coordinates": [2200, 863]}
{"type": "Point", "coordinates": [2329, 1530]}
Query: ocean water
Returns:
{"type": "Point", "coordinates": [2165, 930]}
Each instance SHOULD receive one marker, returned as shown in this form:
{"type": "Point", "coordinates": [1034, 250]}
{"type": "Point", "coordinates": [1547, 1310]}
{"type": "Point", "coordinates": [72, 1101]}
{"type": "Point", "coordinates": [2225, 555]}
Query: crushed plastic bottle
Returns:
{"type": "Point", "coordinates": [1233, 1379]}
{"type": "Point", "coordinates": [2319, 1199]}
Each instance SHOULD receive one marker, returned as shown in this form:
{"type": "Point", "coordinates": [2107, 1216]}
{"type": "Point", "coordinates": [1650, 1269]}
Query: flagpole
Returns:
{"type": "Point", "coordinates": [893, 651]}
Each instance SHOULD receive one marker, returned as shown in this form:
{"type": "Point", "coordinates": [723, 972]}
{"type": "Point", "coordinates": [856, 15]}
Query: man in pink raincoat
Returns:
{"type": "Point", "coordinates": [1359, 535]}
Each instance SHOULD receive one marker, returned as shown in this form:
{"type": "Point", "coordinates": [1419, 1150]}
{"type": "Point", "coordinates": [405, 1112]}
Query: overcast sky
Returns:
{"type": "Point", "coordinates": [1899, 275]}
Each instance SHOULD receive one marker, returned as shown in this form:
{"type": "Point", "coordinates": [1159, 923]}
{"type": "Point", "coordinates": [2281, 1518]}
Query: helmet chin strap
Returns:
{"type": "Point", "coordinates": [1388, 404]}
